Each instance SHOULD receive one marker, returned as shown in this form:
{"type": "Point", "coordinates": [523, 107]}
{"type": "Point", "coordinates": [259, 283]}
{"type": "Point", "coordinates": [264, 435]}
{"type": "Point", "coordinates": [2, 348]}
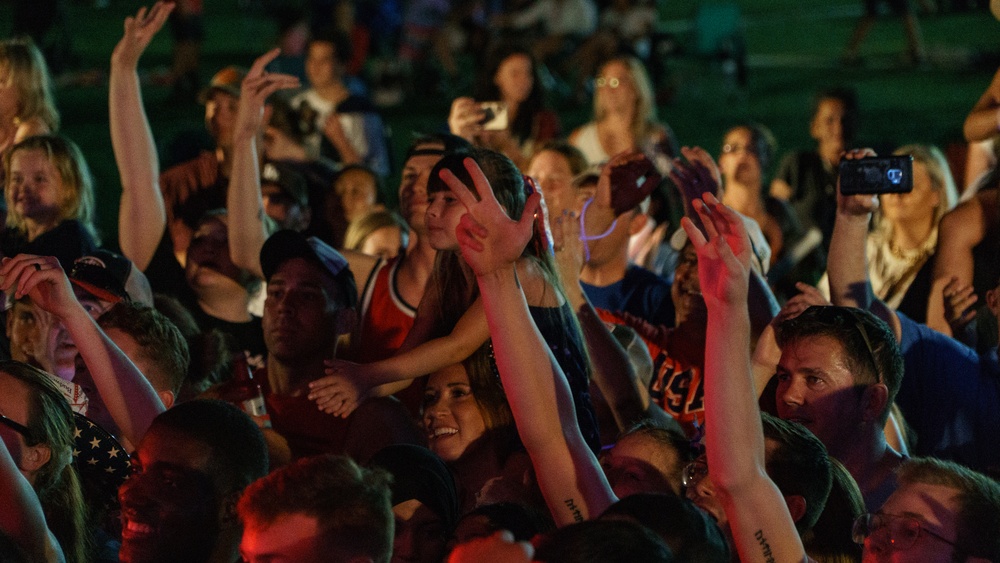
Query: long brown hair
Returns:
{"type": "Point", "coordinates": [50, 422]}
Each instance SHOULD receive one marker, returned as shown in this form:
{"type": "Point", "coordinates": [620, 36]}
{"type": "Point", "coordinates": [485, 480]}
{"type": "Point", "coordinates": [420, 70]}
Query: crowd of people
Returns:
{"type": "Point", "coordinates": [603, 346]}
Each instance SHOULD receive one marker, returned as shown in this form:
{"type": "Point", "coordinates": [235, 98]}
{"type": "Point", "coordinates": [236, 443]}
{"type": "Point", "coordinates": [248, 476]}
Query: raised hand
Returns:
{"type": "Point", "coordinates": [808, 296]}
{"type": "Point", "coordinates": [695, 178]}
{"type": "Point", "coordinates": [568, 247]}
{"type": "Point", "coordinates": [43, 280]}
{"type": "Point", "coordinates": [489, 239]}
{"type": "Point", "coordinates": [959, 301]}
{"type": "Point", "coordinates": [723, 256]}
{"type": "Point", "coordinates": [856, 205]}
{"type": "Point", "coordinates": [139, 31]}
{"type": "Point", "coordinates": [256, 87]}
{"type": "Point", "coordinates": [342, 390]}
{"type": "Point", "coordinates": [465, 118]}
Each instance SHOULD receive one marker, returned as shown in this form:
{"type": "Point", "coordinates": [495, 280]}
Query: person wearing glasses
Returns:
{"type": "Point", "coordinates": [941, 511]}
{"type": "Point", "coordinates": [950, 395]}
{"type": "Point", "coordinates": [794, 459]}
{"type": "Point", "coordinates": [42, 511]}
{"type": "Point", "coordinates": [625, 117]}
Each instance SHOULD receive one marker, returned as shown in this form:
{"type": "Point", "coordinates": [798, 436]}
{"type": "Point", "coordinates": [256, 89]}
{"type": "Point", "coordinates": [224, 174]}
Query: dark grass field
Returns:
{"type": "Point", "coordinates": [793, 49]}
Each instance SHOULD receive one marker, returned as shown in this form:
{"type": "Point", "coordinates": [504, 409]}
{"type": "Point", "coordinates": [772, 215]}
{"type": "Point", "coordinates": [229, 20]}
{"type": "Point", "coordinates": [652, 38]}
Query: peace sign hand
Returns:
{"type": "Point", "coordinates": [489, 239]}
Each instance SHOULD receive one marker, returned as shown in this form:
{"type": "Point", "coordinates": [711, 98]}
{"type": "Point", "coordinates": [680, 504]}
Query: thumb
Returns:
{"type": "Point", "coordinates": [531, 207]}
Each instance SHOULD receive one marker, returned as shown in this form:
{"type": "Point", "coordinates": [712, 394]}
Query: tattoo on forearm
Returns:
{"type": "Point", "coordinates": [764, 546]}
{"type": "Point", "coordinates": [577, 515]}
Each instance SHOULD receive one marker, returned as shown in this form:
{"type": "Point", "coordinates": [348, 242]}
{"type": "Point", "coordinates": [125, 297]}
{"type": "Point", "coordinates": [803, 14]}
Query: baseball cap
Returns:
{"type": "Point", "coordinates": [291, 183]}
{"type": "Point", "coordinates": [287, 244]}
{"type": "Point", "coordinates": [111, 277]}
{"type": "Point", "coordinates": [227, 80]}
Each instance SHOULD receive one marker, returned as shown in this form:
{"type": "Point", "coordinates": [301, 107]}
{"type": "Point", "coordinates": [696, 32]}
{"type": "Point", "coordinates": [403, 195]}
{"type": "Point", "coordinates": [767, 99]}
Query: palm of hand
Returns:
{"type": "Point", "coordinates": [489, 239]}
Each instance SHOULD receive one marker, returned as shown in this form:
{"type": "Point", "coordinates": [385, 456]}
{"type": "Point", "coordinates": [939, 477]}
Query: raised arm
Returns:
{"type": "Point", "coordinates": [21, 516]}
{"type": "Point", "coordinates": [762, 528]}
{"type": "Point", "coordinates": [696, 178]}
{"type": "Point", "coordinates": [613, 372]}
{"type": "Point", "coordinates": [142, 216]}
{"type": "Point", "coordinates": [569, 476]}
{"type": "Point", "coordinates": [248, 225]}
{"type": "Point", "coordinates": [983, 122]}
{"type": "Point", "coordinates": [131, 400]}
{"type": "Point", "coordinates": [847, 263]}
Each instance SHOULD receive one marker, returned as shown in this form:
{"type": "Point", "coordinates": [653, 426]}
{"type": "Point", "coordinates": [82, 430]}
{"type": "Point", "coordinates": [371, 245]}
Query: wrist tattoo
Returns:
{"type": "Point", "coordinates": [571, 504]}
{"type": "Point", "coordinates": [764, 546]}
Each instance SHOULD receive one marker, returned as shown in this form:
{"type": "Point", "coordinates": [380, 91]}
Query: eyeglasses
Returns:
{"type": "Point", "coordinates": [840, 315]}
{"type": "Point", "coordinates": [891, 530]}
{"type": "Point", "coordinates": [694, 472]}
{"type": "Point", "coordinates": [612, 82]}
{"type": "Point", "coordinates": [16, 427]}
{"type": "Point", "coordinates": [730, 148]}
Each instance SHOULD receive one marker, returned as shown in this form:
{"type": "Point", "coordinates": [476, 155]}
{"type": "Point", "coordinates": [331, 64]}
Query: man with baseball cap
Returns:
{"type": "Point", "coordinates": [311, 301]}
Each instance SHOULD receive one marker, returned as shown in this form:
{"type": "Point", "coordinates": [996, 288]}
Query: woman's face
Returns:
{"type": "Point", "coordinates": [738, 160]}
{"type": "Point", "coordinates": [451, 415]}
{"type": "Point", "coordinates": [615, 88]}
{"type": "Point", "coordinates": [514, 78]}
{"type": "Point", "coordinates": [444, 211]}
{"type": "Point", "coordinates": [34, 187]}
{"type": "Point", "coordinates": [918, 205]}
{"type": "Point", "coordinates": [15, 397]}
{"type": "Point", "coordinates": [552, 172]}
{"type": "Point", "coordinates": [827, 125]}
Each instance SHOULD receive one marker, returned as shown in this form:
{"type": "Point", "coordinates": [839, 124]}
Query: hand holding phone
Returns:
{"type": "Point", "coordinates": [876, 175]}
{"type": "Point", "coordinates": [494, 116]}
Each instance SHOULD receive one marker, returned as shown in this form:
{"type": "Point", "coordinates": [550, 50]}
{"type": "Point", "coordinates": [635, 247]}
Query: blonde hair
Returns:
{"type": "Point", "coordinates": [77, 199]}
{"type": "Point", "coordinates": [24, 68]}
{"type": "Point", "coordinates": [937, 168]}
{"type": "Point", "coordinates": [361, 228]}
{"type": "Point", "coordinates": [645, 107]}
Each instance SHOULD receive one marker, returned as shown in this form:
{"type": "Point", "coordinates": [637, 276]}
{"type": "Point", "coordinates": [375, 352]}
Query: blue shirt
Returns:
{"type": "Point", "coordinates": [950, 396]}
{"type": "Point", "coordinates": [640, 293]}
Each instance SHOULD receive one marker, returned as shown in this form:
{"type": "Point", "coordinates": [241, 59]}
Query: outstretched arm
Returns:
{"type": "Point", "coordinates": [248, 225]}
{"type": "Point", "coordinates": [569, 476]}
{"type": "Point", "coordinates": [847, 263]}
{"type": "Point", "coordinates": [762, 528]}
{"type": "Point", "coordinates": [142, 216]}
{"type": "Point", "coordinates": [21, 516]}
{"type": "Point", "coordinates": [347, 384]}
{"type": "Point", "coordinates": [131, 400]}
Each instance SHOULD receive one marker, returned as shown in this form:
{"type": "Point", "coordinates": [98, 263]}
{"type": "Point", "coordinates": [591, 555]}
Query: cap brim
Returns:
{"type": "Point", "coordinates": [100, 293]}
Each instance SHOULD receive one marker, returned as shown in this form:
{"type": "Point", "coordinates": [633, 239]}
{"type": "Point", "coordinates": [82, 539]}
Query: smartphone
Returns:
{"type": "Point", "coordinates": [495, 116]}
{"type": "Point", "coordinates": [876, 175]}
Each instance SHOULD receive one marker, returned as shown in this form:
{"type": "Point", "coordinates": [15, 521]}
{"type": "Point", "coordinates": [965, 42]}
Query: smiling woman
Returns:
{"type": "Point", "coordinates": [470, 426]}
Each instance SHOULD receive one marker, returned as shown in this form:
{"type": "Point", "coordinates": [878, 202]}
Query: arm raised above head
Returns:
{"type": "Point", "coordinates": [568, 474]}
{"type": "Point", "coordinates": [761, 526]}
{"type": "Point", "coordinates": [142, 215]}
{"type": "Point", "coordinates": [248, 225]}
{"type": "Point", "coordinates": [847, 263]}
